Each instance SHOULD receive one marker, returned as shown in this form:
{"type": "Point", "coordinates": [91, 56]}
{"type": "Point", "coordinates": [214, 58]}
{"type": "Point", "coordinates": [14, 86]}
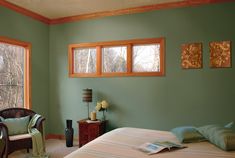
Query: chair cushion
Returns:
{"type": "Point", "coordinates": [19, 136]}
{"type": "Point", "coordinates": [17, 125]}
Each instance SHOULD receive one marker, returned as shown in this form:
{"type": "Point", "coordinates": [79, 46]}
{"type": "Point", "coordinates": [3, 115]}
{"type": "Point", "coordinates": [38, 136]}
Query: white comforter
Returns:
{"type": "Point", "coordinates": [121, 143]}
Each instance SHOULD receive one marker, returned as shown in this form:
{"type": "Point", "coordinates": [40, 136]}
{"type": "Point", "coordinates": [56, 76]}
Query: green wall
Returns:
{"type": "Point", "coordinates": [17, 26]}
{"type": "Point", "coordinates": [181, 97]}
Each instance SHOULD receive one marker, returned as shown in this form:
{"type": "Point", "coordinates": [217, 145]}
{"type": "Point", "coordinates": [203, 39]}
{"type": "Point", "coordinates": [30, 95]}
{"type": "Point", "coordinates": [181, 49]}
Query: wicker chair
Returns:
{"type": "Point", "coordinates": [17, 142]}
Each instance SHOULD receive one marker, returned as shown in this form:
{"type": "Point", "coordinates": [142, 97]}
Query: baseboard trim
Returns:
{"type": "Point", "coordinates": [59, 136]}
{"type": "Point", "coordinates": [55, 136]}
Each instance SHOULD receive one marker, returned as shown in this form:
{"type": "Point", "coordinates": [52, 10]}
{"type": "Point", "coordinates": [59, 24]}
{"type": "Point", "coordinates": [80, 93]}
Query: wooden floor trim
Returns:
{"type": "Point", "coordinates": [59, 136]}
{"type": "Point", "coordinates": [55, 136]}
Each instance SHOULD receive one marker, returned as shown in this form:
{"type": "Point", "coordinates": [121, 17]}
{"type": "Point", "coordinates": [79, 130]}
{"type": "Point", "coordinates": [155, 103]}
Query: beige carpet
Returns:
{"type": "Point", "coordinates": [55, 148]}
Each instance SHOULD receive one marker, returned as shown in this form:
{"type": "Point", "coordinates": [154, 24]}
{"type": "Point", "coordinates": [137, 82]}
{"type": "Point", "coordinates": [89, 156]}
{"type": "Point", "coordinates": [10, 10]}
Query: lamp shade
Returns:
{"type": "Point", "coordinates": [87, 95]}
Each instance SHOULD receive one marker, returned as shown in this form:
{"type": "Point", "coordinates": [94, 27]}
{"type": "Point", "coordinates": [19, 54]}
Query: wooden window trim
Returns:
{"type": "Point", "coordinates": [129, 44]}
{"type": "Point", "coordinates": [27, 68]}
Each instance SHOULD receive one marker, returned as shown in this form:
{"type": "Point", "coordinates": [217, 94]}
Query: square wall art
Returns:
{"type": "Point", "coordinates": [220, 54]}
{"type": "Point", "coordinates": [191, 56]}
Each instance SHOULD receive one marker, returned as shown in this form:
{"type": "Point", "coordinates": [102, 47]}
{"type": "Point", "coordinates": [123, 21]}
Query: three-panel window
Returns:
{"type": "Point", "coordinates": [142, 57]}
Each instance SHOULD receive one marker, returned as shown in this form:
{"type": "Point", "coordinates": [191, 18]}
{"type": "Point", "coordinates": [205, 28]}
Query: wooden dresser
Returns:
{"type": "Point", "coordinates": [90, 131]}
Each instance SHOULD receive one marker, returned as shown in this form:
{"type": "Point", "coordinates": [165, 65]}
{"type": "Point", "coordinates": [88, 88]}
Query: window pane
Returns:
{"type": "Point", "coordinates": [85, 60]}
{"type": "Point", "coordinates": [11, 76]}
{"type": "Point", "coordinates": [146, 58]}
{"type": "Point", "coordinates": [114, 59]}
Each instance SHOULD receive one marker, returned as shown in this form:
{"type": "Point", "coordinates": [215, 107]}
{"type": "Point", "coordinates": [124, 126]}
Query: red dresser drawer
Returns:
{"type": "Point", "coordinates": [90, 131]}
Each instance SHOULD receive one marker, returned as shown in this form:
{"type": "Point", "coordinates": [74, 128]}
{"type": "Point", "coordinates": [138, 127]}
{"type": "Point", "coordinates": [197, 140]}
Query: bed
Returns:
{"type": "Point", "coordinates": [122, 143]}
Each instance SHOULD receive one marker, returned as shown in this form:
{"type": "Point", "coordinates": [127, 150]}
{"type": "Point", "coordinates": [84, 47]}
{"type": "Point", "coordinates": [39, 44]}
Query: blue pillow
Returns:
{"type": "Point", "coordinates": [1, 118]}
{"type": "Point", "coordinates": [17, 125]}
{"type": "Point", "coordinates": [220, 136]}
{"type": "Point", "coordinates": [229, 125]}
{"type": "Point", "coordinates": [187, 134]}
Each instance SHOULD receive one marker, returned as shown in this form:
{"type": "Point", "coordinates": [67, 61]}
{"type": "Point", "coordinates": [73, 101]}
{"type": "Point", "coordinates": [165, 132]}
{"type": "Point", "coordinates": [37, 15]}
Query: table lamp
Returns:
{"type": "Point", "coordinates": [87, 97]}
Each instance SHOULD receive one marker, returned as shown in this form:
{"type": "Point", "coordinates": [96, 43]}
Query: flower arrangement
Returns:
{"type": "Point", "coordinates": [102, 106]}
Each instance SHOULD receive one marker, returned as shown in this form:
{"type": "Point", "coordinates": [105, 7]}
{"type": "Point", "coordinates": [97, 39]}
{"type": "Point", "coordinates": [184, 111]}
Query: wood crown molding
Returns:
{"type": "Point", "coordinates": [24, 11]}
{"type": "Point", "coordinates": [170, 5]}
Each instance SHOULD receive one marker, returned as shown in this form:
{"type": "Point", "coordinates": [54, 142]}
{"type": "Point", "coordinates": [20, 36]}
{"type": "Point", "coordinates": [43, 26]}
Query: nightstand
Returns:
{"type": "Point", "coordinates": [90, 131]}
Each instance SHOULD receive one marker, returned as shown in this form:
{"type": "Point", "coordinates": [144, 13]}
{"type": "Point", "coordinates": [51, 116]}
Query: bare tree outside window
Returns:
{"type": "Point", "coordinates": [146, 58]}
{"type": "Point", "coordinates": [114, 59]}
{"type": "Point", "coordinates": [85, 60]}
{"type": "Point", "coordinates": [11, 76]}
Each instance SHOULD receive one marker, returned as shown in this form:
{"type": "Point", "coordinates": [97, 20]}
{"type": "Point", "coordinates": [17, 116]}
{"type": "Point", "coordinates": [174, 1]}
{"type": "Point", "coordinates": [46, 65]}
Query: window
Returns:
{"type": "Point", "coordinates": [141, 57]}
{"type": "Point", "coordinates": [114, 59]}
{"type": "Point", "coordinates": [85, 60]}
{"type": "Point", "coordinates": [14, 73]}
{"type": "Point", "coordinates": [146, 58]}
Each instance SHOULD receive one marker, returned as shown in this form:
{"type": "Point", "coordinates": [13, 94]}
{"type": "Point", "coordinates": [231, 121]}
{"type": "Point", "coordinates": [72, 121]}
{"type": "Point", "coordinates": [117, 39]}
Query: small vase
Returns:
{"type": "Point", "coordinates": [103, 118]}
{"type": "Point", "coordinates": [69, 133]}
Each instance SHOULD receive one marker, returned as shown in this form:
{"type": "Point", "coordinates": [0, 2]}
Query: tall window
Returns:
{"type": "Point", "coordinates": [14, 73]}
{"type": "Point", "coordinates": [142, 57]}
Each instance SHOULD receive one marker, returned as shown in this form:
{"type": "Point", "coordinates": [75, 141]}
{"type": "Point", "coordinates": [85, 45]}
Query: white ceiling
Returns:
{"type": "Point", "coordinates": [63, 8]}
